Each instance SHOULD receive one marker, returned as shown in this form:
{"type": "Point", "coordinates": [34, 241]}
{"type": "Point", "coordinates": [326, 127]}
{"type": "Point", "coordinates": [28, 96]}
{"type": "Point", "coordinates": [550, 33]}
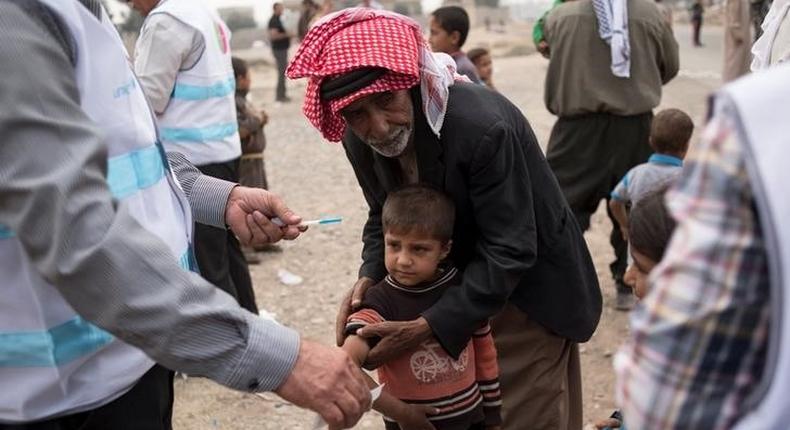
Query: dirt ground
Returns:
{"type": "Point", "coordinates": [315, 179]}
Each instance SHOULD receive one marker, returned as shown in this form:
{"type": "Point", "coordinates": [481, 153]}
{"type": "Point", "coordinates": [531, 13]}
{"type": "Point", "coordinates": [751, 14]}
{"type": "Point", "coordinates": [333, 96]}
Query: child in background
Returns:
{"type": "Point", "coordinates": [538, 37]}
{"type": "Point", "coordinates": [449, 28]}
{"type": "Point", "coordinates": [418, 223]}
{"type": "Point", "coordinates": [252, 172]}
{"type": "Point", "coordinates": [670, 133]}
{"type": "Point", "coordinates": [481, 58]}
{"type": "Point", "coordinates": [651, 228]}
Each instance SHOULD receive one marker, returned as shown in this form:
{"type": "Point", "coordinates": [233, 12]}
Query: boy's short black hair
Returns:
{"type": "Point", "coordinates": [419, 208]}
{"type": "Point", "coordinates": [239, 67]}
{"type": "Point", "coordinates": [650, 225]}
{"type": "Point", "coordinates": [453, 18]}
{"type": "Point", "coordinates": [671, 131]}
{"type": "Point", "coordinates": [476, 53]}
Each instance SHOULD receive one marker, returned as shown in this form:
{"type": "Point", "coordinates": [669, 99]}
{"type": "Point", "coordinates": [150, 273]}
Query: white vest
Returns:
{"type": "Point", "coordinates": [763, 115]}
{"type": "Point", "coordinates": [200, 119]}
{"type": "Point", "coordinates": [52, 362]}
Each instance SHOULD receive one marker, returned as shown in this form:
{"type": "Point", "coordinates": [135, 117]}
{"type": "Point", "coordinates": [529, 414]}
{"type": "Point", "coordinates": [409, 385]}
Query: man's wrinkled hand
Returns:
{"type": "Point", "coordinates": [249, 211]}
{"type": "Point", "coordinates": [543, 48]}
{"type": "Point", "coordinates": [396, 337]}
{"type": "Point", "coordinates": [350, 303]}
{"type": "Point", "coordinates": [264, 118]}
{"type": "Point", "coordinates": [328, 382]}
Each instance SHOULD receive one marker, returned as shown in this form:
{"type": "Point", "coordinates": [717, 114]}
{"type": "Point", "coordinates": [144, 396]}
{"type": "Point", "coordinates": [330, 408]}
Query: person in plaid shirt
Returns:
{"type": "Point", "coordinates": [698, 341]}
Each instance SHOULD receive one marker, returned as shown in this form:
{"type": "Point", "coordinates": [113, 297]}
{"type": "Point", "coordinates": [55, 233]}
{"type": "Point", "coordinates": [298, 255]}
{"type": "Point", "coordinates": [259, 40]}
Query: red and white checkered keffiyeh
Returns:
{"type": "Point", "coordinates": [357, 38]}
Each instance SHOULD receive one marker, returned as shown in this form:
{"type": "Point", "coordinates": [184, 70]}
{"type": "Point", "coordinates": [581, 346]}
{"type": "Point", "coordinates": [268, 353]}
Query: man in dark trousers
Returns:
{"type": "Point", "coordinates": [184, 64]}
{"type": "Point", "coordinates": [403, 119]}
{"type": "Point", "coordinates": [280, 41]}
{"type": "Point", "coordinates": [603, 87]}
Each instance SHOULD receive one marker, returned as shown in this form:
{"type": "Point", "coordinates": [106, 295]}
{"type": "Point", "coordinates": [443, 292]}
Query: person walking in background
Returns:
{"type": "Point", "coordinates": [737, 39]}
{"type": "Point", "coordinates": [696, 11]}
{"type": "Point", "coordinates": [184, 64]}
{"type": "Point", "coordinates": [449, 28]}
{"type": "Point", "coordinates": [481, 58]}
{"type": "Point", "coordinates": [603, 87]}
{"type": "Point", "coordinates": [280, 41]}
{"type": "Point", "coordinates": [309, 10]}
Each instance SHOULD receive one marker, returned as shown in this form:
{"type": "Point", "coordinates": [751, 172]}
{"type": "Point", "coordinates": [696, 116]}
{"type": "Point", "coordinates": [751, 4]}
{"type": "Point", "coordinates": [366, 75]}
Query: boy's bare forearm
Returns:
{"type": "Point", "coordinates": [618, 211]}
{"type": "Point", "coordinates": [357, 348]}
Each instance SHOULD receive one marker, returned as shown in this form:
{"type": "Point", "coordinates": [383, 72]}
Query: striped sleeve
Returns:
{"type": "Point", "coordinates": [488, 375]}
{"type": "Point", "coordinates": [207, 196]}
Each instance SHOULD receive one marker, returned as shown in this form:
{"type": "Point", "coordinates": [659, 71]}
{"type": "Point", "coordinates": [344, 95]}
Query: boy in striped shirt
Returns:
{"type": "Point", "coordinates": [425, 386]}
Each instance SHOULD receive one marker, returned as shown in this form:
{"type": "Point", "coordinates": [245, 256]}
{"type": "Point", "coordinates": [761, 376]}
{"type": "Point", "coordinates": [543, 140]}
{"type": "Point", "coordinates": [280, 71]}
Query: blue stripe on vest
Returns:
{"type": "Point", "coordinates": [200, 92]}
{"type": "Point", "coordinates": [59, 345]}
{"type": "Point", "coordinates": [126, 174]}
{"type": "Point", "coordinates": [204, 134]}
{"type": "Point", "coordinates": [5, 232]}
{"type": "Point", "coordinates": [134, 171]}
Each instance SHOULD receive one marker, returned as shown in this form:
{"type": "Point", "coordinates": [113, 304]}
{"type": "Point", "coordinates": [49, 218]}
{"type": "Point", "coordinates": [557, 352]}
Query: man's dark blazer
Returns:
{"type": "Point", "coordinates": [515, 238]}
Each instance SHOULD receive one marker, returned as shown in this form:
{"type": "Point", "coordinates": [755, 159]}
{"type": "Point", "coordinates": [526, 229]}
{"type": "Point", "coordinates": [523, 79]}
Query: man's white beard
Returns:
{"type": "Point", "coordinates": [394, 144]}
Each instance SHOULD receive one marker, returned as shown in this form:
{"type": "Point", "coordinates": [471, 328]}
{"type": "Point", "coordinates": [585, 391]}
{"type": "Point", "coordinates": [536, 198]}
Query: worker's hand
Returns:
{"type": "Point", "coordinates": [328, 382]}
{"type": "Point", "coordinates": [396, 337]}
{"type": "Point", "coordinates": [249, 211]}
{"type": "Point", "coordinates": [350, 303]}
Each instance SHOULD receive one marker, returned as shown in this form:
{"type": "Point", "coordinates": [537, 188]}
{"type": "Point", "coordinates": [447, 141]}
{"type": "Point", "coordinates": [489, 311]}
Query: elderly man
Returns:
{"type": "Point", "coordinates": [184, 64]}
{"type": "Point", "coordinates": [609, 59]}
{"type": "Point", "coordinates": [403, 119]}
{"type": "Point", "coordinates": [95, 228]}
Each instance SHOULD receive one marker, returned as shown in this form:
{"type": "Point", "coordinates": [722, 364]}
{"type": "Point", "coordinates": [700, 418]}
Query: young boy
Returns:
{"type": "Point", "coordinates": [651, 227]}
{"type": "Point", "coordinates": [458, 393]}
{"type": "Point", "coordinates": [449, 28]}
{"type": "Point", "coordinates": [252, 172]}
{"type": "Point", "coordinates": [481, 58]}
{"type": "Point", "coordinates": [669, 137]}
